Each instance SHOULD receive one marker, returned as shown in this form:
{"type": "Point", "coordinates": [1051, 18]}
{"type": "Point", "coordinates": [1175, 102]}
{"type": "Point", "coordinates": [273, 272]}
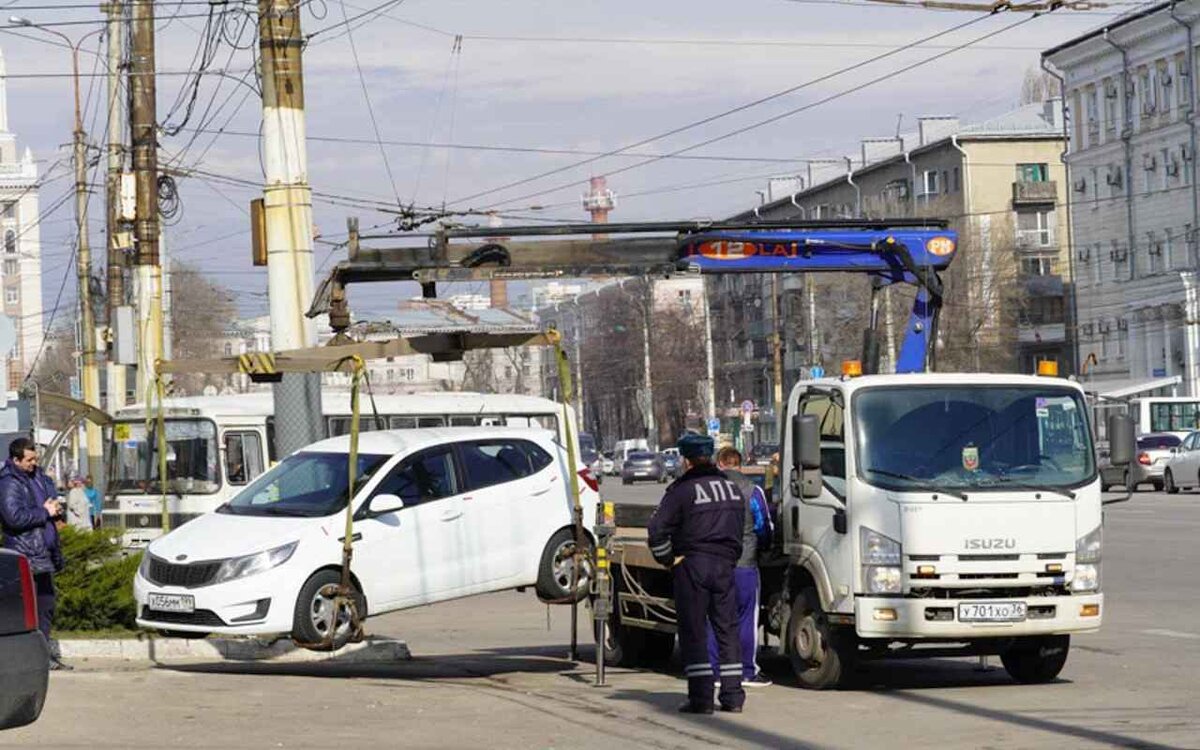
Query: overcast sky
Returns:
{"type": "Point", "coordinates": [529, 74]}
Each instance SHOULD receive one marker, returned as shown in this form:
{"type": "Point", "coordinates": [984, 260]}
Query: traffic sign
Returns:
{"type": "Point", "coordinates": [714, 425]}
{"type": "Point", "coordinates": [816, 371]}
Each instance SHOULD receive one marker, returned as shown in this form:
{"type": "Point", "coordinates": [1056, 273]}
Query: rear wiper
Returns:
{"type": "Point", "coordinates": [910, 478]}
{"type": "Point", "coordinates": [1036, 488]}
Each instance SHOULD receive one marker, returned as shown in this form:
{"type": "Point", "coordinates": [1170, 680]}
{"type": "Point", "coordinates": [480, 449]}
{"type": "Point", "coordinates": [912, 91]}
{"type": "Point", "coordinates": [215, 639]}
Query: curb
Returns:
{"type": "Point", "coordinates": [161, 650]}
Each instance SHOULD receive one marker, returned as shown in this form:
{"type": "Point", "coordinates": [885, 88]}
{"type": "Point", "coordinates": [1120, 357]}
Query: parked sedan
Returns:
{"type": "Point", "coordinates": [1183, 468]}
{"type": "Point", "coordinates": [642, 466]}
{"type": "Point", "coordinates": [438, 514]}
{"type": "Point", "coordinates": [24, 655]}
{"type": "Point", "coordinates": [1153, 453]}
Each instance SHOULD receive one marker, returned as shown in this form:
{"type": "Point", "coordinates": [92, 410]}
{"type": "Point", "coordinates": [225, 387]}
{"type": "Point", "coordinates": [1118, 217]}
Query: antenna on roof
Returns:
{"type": "Point", "coordinates": [899, 119]}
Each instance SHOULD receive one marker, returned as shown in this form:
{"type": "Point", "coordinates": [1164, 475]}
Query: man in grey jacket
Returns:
{"type": "Point", "coordinates": [756, 532]}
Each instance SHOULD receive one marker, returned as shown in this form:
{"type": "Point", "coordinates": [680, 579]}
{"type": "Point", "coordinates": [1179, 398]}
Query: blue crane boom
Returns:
{"type": "Point", "coordinates": [889, 252]}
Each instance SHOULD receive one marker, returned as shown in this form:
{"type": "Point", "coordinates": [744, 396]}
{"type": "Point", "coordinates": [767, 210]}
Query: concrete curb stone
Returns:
{"type": "Point", "coordinates": [371, 650]}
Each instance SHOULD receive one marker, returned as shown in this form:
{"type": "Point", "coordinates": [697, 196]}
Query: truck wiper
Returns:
{"type": "Point", "coordinates": [1036, 488]}
{"type": "Point", "coordinates": [922, 488]}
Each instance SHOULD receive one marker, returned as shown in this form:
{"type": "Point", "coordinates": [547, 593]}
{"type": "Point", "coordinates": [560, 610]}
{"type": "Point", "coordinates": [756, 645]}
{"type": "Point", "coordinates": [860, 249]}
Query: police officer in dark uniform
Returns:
{"type": "Point", "coordinates": [697, 532]}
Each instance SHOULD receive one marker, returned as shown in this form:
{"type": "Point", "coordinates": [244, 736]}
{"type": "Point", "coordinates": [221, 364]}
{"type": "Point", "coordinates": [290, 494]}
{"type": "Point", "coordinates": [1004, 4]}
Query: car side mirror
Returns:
{"type": "Point", "coordinates": [381, 505]}
{"type": "Point", "coordinates": [806, 456]}
{"type": "Point", "coordinates": [1121, 441]}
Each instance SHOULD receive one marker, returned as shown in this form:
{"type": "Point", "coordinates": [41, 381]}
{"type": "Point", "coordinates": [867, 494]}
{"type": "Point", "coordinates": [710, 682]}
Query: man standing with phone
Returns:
{"type": "Point", "coordinates": [28, 510]}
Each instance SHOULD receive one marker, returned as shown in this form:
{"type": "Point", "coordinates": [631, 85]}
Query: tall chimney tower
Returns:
{"type": "Point", "coordinates": [599, 200]}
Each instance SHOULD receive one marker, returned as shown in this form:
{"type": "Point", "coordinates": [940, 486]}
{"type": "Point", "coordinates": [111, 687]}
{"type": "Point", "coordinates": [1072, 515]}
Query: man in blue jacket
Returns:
{"type": "Point", "coordinates": [696, 532]}
{"type": "Point", "coordinates": [27, 513]}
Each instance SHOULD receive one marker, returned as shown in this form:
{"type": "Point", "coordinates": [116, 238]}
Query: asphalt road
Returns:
{"type": "Point", "coordinates": [492, 671]}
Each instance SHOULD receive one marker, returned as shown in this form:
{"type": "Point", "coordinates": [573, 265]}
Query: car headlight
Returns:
{"type": "Point", "coordinates": [248, 565]}
{"type": "Point", "coordinates": [144, 566]}
{"type": "Point", "coordinates": [881, 557]}
{"type": "Point", "coordinates": [1087, 561]}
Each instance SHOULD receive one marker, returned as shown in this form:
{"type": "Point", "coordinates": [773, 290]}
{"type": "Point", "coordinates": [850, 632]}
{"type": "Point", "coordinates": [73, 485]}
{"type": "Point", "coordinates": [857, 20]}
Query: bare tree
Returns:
{"type": "Point", "coordinates": [202, 310]}
{"type": "Point", "coordinates": [1039, 86]}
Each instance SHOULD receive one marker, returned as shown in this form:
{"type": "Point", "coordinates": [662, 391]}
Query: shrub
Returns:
{"type": "Point", "coordinates": [95, 591]}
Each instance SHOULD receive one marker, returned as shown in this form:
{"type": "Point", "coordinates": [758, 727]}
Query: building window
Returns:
{"type": "Point", "coordinates": [1167, 84]}
{"type": "Point", "coordinates": [1116, 181]}
{"type": "Point", "coordinates": [1035, 229]}
{"type": "Point", "coordinates": [930, 183]}
{"type": "Point", "coordinates": [1168, 167]}
{"type": "Point", "coordinates": [1091, 105]}
{"type": "Point", "coordinates": [957, 180]}
{"type": "Point", "coordinates": [1183, 99]}
{"type": "Point", "coordinates": [1122, 339]}
{"type": "Point", "coordinates": [9, 209]}
{"type": "Point", "coordinates": [1147, 98]}
{"type": "Point", "coordinates": [1110, 106]}
{"type": "Point", "coordinates": [1037, 265]}
{"type": "Point", "coordinates": [11, 296]}
{"type": "Point", "coordinates": [1154, 254]}
{"type": "Point", "coordinates": [10, 267]}
{"type": "Point", "coordinates": [228, 349]}
{"type": "Point", "coordinates": [1169, 259]}
{"type": "Point", "coordinates": [1033, 173]}
{"type": "Point", "coordinates": [1095, 185]}
{"type": "Point", "coordinates": [10, 242]}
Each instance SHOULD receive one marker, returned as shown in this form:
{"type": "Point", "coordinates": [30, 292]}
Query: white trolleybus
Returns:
{"type": "Point", "coordinates": [216, 445]}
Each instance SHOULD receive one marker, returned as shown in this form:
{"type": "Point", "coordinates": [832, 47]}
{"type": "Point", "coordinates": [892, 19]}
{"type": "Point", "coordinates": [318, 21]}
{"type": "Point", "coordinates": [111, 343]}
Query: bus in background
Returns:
{"type": "Point", "coordinates": [216, 445]}
{"type": "Point", "coordinates": [1178, 415]}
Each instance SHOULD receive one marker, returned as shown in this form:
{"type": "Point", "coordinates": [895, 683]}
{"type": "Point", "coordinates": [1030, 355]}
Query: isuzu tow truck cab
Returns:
{"type": "Point", "coordinates": [939, 514]}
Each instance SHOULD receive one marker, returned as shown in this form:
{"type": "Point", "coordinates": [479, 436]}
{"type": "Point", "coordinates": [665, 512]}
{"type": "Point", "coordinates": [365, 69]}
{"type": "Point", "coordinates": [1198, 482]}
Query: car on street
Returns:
{"type": "Point", "coordinates": [643, 466]}
{"type": "Point", "coordinates": [24, 654]}
{"type": "Point", "coordinates": [1183, 467]}
{"type": "Point", "coordinates": [439, 514]}
{"type": "Point", "coordinates": [608, 466]}
{"type": "Point", "coordinates": [761, 454]}
{"type": "Point", "coordinates": [1153, 452]}
{"type": "Point", "coordinates": [673, 462]}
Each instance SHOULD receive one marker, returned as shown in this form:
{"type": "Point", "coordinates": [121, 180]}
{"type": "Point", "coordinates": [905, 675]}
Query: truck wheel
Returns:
{"type": "Point", "coordinates": [822, 655]}
{"type": "Point", "coordinates": [1036, 659]}
{"type": "Point", "coordinates": [1169, 483]}
{"type": "Point", "coordinates": [555, 570]}
{"type": "Point", "coordinates": [626, 646]}
{"type": "Point", "coordinates": [314, 614]}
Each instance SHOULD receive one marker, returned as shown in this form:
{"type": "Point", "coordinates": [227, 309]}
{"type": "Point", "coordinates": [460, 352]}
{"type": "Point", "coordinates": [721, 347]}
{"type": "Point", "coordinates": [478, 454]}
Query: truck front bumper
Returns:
{"type": "Point", "coordinates": [937, 619]}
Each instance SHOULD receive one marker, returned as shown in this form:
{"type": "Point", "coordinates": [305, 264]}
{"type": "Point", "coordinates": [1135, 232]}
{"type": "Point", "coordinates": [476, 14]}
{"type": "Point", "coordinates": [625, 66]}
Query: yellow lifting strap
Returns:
{"type": "Point", "coordinates": [566, 391]}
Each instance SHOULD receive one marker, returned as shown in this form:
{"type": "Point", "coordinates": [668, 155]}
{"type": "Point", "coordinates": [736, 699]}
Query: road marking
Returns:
{"type": "Point", "coordinates": [1173, 634]}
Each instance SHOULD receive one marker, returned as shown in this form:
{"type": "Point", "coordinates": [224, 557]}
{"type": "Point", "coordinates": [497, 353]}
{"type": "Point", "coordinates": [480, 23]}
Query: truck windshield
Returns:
{"type": "Point", "coordinates": [192, 457]}
{"type": "Point", "coordinates": [973, 437]}
{"type": "Point", "coordinates": [303, 484]}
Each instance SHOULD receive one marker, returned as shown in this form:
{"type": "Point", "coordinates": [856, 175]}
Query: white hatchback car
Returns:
{"type": "Point", "coordinates": [439, 514]}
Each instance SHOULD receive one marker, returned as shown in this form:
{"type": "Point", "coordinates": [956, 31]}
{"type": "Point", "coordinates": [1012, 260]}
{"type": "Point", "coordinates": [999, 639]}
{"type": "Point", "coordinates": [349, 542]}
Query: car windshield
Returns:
{"type": "Point", "coordinates": [973, 437]}
{"type": "Point", "coordinates": [303, 484]}
{"type": "Point", "coordinates": [192, 457]}
{"type": "Point", "coordinates": [1158, 442]}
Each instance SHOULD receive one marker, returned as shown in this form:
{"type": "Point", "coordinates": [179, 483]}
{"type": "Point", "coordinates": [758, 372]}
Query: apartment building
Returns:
{"type": "Point", "coordinates": [1134, 201]}
{"type": "Point", "coordinates": [1000, 183]}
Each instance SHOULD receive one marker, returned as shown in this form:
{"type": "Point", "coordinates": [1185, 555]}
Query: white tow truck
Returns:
{"type": "Point", "coordinates": [923, 515]}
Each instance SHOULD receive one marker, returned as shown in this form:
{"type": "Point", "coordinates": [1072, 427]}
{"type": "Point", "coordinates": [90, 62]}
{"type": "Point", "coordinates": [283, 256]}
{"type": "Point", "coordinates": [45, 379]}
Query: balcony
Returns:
{"type": "Point", "coordinates": [1034, 193]}
{"type": "Point", "coordinates": [1047, 333]}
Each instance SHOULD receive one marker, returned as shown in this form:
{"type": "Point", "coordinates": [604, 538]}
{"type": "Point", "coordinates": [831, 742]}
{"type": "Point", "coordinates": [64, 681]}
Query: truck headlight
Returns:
{"type": "Point", "coordinates": [881, 557]}
{"type": "Point", "coordinates": [1087, 561]}
{"type": "Point", "coordinates": [248, 565]}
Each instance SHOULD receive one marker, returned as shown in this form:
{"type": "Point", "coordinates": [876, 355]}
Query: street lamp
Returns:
{"type": "Point", "coordinates": [90, 376]}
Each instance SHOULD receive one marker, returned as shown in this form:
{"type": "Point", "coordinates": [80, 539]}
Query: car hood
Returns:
{"type": "Point", "coordinates": [215, 536]}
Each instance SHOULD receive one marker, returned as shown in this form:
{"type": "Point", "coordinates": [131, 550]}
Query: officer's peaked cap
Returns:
{"type": "Point", "coordinates": [692, 445]}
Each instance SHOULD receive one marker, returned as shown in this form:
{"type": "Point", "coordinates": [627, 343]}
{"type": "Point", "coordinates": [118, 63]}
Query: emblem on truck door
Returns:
{"type": "Point", "coordinates": [993, 543]}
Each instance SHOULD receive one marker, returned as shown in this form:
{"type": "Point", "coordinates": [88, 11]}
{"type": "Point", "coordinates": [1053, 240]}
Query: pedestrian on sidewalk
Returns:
{"type": "Point", "coordinates": [95, 502]}
{"type": "Point", "coordinates": [756, 534]}
{"type": "Point", "coordinates": [29, 507]}
{"type": "Point", "coordinates": [79, 510]}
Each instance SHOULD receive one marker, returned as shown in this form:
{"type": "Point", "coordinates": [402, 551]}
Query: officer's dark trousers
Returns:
{"type": "Point", "coordinates": [704, 593]}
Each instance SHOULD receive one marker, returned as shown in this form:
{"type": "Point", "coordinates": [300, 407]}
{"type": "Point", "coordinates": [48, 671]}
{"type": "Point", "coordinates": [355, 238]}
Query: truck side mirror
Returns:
{"type": "Point", "coordinates": [1121, 442]}
{"type": "Point", "coordinates": [806, 455]}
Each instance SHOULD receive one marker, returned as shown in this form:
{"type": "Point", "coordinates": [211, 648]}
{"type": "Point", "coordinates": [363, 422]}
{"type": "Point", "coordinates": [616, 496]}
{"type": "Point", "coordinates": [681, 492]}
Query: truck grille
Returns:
{"type": "Point", "coordinates": [988, 571]}
{"type": "Point", "coordinates": [187, 576]}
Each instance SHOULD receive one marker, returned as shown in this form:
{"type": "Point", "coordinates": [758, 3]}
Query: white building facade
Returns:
{"type": "Point", "coordinates": [21, 273]}
{"type": "Point", "coordinates": [1135, 211]}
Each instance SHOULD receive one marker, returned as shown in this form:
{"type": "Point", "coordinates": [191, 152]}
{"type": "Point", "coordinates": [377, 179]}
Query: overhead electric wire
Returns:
{"type": "Point", "coordinates": [783, 115]}
{"type": "Point", "coordinates": [725, 113]}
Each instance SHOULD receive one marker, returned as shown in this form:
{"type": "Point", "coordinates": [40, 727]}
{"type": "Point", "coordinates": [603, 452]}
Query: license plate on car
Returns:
{"type": "Point", "coordinates": [171, 602]}
{"type": "Point", "coordinates": [992, 612]}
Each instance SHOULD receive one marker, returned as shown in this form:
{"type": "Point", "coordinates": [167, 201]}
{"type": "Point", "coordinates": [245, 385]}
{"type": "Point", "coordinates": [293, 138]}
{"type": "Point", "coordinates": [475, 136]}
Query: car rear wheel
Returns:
{"type": "Point", "coordinates": [1169, 483]}
{"type": "Point", "coordinates": [558, 567]}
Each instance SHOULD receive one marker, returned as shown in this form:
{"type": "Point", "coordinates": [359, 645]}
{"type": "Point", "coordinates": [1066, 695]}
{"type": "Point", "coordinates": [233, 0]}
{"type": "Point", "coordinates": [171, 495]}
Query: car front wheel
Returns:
{"type": "Point", "coordinates": [1169, 483]}
{"type": "Point", "coordinates": [317, 613]}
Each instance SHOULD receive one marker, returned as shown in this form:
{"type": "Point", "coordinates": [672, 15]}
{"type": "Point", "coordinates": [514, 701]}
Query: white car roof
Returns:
{"type": "Point", "coordinates": [390, 442]}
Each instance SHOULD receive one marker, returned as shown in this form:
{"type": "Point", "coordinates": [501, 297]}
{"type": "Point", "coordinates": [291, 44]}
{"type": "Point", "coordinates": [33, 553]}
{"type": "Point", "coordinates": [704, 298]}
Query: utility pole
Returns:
{"type": "Point", "coordinates": [287, 212]}
{"type": "Point", "coordinates": [112, 193]}
{"type": "Point", "coordinates": [143, 137]}
{"type": "Point", "coordinates": [88, 374]}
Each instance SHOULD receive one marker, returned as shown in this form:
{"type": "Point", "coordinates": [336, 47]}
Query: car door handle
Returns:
{"type": "Point", "coordinates": [451, 515]}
